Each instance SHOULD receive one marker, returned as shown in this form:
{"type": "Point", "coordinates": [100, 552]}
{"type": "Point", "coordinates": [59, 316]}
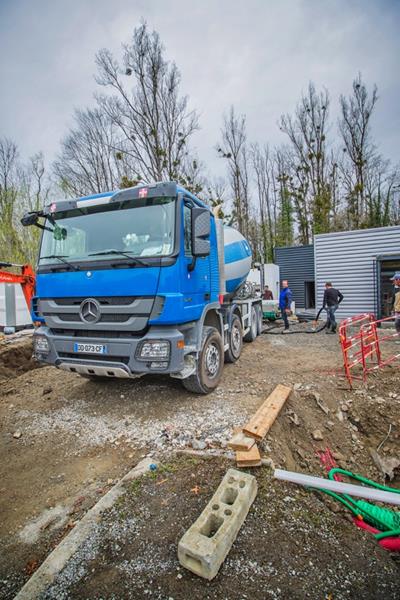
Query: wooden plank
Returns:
{"type": "Point", "coordinates": [241, 441]}
{"type": "Point", "coordinates": [262, 421]}
{"type": "Point", "coordinates": [248, 458]}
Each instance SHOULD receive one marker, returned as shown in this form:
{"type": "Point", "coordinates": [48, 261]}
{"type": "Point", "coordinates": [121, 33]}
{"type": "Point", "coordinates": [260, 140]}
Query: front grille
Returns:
{"type": "Point", "coordinates": [108, 318]}
{"type": "Point", "coordinates": [104, 300]}
{"type": "Point", "coordinates": [126, 314]}
{"type": "Point", "coordinates": [85, 333]}
{"type": "Point", "coordinates": [98, 357]}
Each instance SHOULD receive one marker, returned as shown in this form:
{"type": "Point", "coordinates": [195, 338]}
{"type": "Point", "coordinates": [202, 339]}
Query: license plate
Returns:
{"type": "Point", "coordinates": [90, 348]}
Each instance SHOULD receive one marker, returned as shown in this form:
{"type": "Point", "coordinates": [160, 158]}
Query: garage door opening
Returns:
{"type": "Point", "coordinates": [309, 294]}
{"type": "Point", "coordinates": [386, 269]}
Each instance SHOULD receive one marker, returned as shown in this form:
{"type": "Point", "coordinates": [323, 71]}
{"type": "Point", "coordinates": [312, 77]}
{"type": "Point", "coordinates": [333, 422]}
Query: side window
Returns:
{"type": "Point", "coordinates": [187, 223]}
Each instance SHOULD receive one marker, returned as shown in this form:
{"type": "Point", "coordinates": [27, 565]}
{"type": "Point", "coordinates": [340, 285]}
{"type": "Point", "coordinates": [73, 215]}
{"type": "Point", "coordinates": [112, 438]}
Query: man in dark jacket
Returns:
{"type": "Point", "coordinates": [331, 301]}
{"type": "Point", "coordinates": [285, 300]}
{"type": "Point", "coordinates": [267, 294]}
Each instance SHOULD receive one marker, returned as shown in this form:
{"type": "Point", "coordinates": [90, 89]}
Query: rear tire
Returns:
{"type": "Point", "coordinates": [259, 319]}
{"type": "Point", "coordinates": [209, 364]}
{"type": "Point", "coordinates": [235, 340]}
{"type": "Point", "coordinates": [252, 333]}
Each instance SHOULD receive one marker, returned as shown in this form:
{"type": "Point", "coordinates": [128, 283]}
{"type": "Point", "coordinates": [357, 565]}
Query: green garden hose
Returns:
{"type": "Point", "coordinates": [384, 519]}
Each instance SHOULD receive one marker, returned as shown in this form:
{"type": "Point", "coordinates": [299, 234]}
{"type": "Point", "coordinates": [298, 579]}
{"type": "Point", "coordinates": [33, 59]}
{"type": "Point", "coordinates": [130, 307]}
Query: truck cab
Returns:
{"type": "Point", "coordinates": [129, 283]}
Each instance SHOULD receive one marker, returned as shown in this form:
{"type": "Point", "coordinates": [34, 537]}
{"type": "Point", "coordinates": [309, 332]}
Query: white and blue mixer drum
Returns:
{"type": "Point", "coordinates": [237, 255]}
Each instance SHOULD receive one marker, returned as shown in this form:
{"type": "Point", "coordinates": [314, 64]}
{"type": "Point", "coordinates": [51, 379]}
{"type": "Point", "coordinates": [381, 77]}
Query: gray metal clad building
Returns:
{"type": "Point", "coordinates": [296, 264]}
{"type": "Point", "coordinates": [360, 264]}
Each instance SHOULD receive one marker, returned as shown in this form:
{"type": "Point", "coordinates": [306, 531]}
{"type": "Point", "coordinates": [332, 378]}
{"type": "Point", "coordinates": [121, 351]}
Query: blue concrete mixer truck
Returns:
{"type": "Point", "coordinates": [141, 280]}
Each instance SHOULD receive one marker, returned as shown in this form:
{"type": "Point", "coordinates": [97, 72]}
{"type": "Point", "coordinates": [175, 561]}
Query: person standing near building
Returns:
{"type": "Point", "coordinates": [267, 294]}
{"type": "Point", "coordinates": [331, 301]}
{"type": "Point", "coordinates": [396, 301]}
{"type": "Point", "coordinates": [285, 301]}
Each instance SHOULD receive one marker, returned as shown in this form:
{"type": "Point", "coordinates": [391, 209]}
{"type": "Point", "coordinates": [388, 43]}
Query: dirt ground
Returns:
{"type": "Point", "coordinates": [65, 440]}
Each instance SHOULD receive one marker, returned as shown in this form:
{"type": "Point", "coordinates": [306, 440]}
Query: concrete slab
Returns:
{"type": "Point", "coordinates": [205, 545]}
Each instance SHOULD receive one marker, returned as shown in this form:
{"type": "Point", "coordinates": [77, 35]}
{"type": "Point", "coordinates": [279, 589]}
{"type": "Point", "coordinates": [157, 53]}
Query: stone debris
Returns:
{"type": "Point", "coordinates": [198, 444]}
{"type": "Point", "coordinates": [317, 435]}
{"type": "Point", "coordinates": [387, 466]}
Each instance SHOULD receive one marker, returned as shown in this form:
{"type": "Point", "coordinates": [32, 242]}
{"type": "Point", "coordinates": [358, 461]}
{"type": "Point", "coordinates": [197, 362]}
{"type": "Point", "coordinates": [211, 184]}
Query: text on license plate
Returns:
{"type": "Point", "coordinates": [91, 348]}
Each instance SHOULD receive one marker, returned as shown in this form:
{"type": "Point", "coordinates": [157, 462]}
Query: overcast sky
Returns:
{"type": "Point", "coordinates": [256, 54]}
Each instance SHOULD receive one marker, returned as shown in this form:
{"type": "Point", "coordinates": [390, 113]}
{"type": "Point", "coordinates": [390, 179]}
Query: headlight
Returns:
{"type": "Point", "coordinates": [154, 349]}
{"type": "Point", "coordinates": [41, 344]}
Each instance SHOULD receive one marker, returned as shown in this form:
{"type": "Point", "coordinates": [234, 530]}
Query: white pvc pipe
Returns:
{"type": "Point", "coordinates": [339, 487]}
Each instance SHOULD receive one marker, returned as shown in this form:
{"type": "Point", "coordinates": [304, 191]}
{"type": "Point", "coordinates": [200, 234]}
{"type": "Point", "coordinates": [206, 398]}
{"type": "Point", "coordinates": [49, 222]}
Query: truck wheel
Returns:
{"type": "Point", "coordinates": [209, 365]}
{"type": "Point", "coordinates": [259, 319]}
{"type": "Point", "coordinates": [235, 340]}
{"type": "Point", "coordinates": [252, 333]}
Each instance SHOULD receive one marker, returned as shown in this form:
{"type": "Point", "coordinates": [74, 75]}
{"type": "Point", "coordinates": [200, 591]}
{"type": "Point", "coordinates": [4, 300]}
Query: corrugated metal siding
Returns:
{"type": "Point", "coordinates": [348, 259]}
{"type": "Point", "coordinates": [296, 264]}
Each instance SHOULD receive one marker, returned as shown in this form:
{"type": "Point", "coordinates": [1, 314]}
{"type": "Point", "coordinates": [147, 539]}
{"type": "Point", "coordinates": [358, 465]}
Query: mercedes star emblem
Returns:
{"type": "Point", "coordinates": [89, 311]}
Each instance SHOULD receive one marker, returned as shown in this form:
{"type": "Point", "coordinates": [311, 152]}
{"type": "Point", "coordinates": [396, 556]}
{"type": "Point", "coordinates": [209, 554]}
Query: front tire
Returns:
{"type": "Point", "coordinates": [259, 314]}
{"type": "Point", "coordinates": [235, 340]}
{"type": "Point", "coordinates": [252, 333]}
{"type": "Point", "coordinates": [209, 364]}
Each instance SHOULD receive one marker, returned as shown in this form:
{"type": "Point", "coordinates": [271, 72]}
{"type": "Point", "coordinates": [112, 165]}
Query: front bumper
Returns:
{"type": "Point", "coordinates": [121, 358]}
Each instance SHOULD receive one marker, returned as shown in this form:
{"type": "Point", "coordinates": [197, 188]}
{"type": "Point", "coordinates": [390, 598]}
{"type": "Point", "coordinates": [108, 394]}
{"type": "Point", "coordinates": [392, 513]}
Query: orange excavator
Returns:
{"type": "Point", "coordinates": [26, 278]}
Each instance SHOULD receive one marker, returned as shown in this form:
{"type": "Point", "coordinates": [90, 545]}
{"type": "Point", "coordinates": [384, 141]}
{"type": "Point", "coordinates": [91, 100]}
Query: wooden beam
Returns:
{"type": "Point", "coordinates": [248, 458]}
{"type": "Point", "coordinates": [262, 421]}
{"type": "Point", "coordinates": [241, 441]}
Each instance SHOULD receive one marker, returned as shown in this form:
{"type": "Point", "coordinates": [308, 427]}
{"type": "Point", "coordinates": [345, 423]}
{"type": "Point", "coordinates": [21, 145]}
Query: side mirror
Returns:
{"type": "Point", "coordinates": [201, 227]}
{"type": "Point", "coordinates": [30, 218]}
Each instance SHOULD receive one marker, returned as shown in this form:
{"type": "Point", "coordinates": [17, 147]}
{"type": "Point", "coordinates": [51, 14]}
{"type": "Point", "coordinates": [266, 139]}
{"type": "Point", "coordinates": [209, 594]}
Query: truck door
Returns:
{"type": "Point", "coordinates": [196, 285]}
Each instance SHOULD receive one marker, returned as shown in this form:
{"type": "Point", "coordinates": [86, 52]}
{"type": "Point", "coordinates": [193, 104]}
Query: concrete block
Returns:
{"type": "Point", "coordinates": [205, 545]}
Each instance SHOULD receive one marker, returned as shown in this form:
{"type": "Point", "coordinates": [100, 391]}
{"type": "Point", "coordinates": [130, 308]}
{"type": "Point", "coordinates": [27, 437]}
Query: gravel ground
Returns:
{"type": "Point", "coordinates": [65, 440]}
{"type": "Point", "coordinates": [291, 545]}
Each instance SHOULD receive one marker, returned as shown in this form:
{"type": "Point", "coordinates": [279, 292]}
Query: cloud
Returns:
{"type": "Point", "coordinates": [256, 55]}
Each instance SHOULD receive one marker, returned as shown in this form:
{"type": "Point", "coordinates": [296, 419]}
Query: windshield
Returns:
{"type": "Point", "coordinates": [138, 228]}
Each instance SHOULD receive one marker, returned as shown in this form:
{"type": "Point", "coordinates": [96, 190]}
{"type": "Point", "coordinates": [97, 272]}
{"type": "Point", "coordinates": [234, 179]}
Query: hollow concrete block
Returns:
{"type": "Point", "coordinates": [205, 545]}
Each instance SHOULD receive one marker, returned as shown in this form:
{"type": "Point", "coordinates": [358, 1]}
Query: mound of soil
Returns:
{"type": "Point", "coordinates": [16, 358]}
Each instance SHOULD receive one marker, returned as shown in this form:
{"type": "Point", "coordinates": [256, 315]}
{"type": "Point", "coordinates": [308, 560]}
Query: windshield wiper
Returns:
{"type": "Point", "coordinates": [61, 257]}
{"type": "Point", "coordinates": [122, 253]}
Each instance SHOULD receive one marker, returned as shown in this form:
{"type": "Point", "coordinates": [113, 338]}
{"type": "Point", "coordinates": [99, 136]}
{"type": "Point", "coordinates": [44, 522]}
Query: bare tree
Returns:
{"type": "Point", "coordinates": [359, 151]}
{"type": "Point", "coordinates": [9, 167]}
{"type": "Point", "coordinates": [234, 149]}
{"type": "Point", "coordinates": [153, 121]}
{"type": "Point", "coordinates": [284, 218]}
{"type": "Point", "coordinates": [263, 169]}
{"type": "Point", "coordinates": [34, 189]}
{"type": "Point", "coordinates": [382, 192]}
{"type": "Point", "coordinates": [23, 187]}
{"type": "Point", "coordinates": [309, 177]}
{"type": "Point", "coordinates": [89, 162]}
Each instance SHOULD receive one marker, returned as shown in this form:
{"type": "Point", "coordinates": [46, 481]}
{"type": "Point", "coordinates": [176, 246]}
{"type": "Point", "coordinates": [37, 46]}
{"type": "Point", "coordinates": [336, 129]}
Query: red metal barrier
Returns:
{"type": "Point", "coordinates": [373, 343]}
{"type": "Point", "coordinates": [363, 348]}
{"type": "Point", "coordinates": [352, 344]}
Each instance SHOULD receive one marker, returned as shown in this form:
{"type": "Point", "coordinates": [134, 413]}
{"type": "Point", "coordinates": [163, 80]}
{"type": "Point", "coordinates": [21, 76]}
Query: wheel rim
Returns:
{"type": "Point", "coordinates": [236, 339]}
{"type": "Point", "coordinates": [254, 322]}
{"type": "Point", "coordinates": [212, 360]}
